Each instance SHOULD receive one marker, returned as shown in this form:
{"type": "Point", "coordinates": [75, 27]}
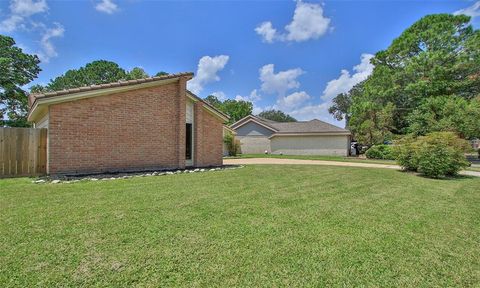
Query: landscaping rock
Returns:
{"type": "Point", "coordinates": [106, 177]}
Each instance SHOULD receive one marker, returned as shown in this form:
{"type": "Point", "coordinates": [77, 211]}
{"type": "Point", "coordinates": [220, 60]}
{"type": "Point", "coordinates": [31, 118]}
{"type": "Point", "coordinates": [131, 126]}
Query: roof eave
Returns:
{"type": "Point", "coordinates": [254, 119]}
{"type": "Point", "coordinates": [329, 133]}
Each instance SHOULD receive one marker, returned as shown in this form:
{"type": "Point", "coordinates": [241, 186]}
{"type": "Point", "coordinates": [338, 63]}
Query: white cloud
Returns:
{"type": "Point", "coordinates": [256, 110]}
{"type": "Point", "coordinates": [207, 70]}
{"type": "Point", "coordinates": [20, 11]}
{"type": "Point", "coordinates": [220, 95]}
{"type": "Point", "coordinates": [253, 97]}
{"type": "Point", "coordinates": [11, 23]}
{"type": "Point", "coordinates": [308, 23]}
{"type": "Point", "coordinates": [279, 82]}
{"type": "Point", "coordinates": [22, 17]}
{"type": "Point", "coordinates": [297, 105]}
{"type": "Point", "coordinates": [28, 7]}
{"type": "Point", "coordinates": [346, 81]}
{"type": "Point", "coordinates": [107, 6]}
{"type": "Point", "coordinates": [472, 11]}
{"type": "Point", "coordinates": [48, 49]}
{"type": "Point", "coordinates": [292, 101]}
{"type": "Point", "coordinates": [267, 31]}
{"type": "Point", "coordinates": [314, 111]}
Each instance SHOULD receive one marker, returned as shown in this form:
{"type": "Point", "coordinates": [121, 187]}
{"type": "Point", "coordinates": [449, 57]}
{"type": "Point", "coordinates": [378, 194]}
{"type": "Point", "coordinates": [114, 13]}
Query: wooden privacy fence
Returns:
{"type": "Point", "coordinates": [23, 152]}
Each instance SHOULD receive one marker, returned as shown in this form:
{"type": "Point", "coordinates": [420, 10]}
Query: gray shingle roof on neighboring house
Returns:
{"type": "Point", "coordinates": [312, 126]}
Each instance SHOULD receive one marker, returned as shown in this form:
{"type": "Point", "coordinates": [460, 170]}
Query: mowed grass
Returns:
{"type": "Point", "coordinates": [254, 226]}
{"type": "Point", "coordinates": [315, 157]}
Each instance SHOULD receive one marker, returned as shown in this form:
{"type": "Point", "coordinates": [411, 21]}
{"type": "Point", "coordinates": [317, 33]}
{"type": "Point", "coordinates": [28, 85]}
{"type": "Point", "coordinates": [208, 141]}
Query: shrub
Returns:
{"type": "Point", "coordinates": [405, 153]}
{"type": "Point", "coordinates": [435, 155]}
{"type": "Point", "coordinates": [380, 152]}
{"type": "Point", "coordinates": [233, 145]}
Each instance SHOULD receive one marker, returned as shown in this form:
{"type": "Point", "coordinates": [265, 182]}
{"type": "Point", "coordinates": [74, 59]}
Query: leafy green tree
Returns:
{"type": "Point", "coordinates": [93, 73]}
{"type": "Point", "coordinates": [447, 113]}
{"type": "Point", "coordinates": [213, 100]}
{"type": "Point", "coordinates": [96, 72]}
{"type": "Point", "coordinates": [372, 124]}
{"type": "Point", "coordinates": [161, 73]}
{"type": "Point", "coordinates": [439, 55]}
{"type": "Point", "coordinates": [233, 108]}
{"type": "Point", "coordinates": [277, 115]}
{"type": "Point", "coordinates": [16, 70]}
{"type": "Point", "coordinates": [237, 109]}
{"type": "Point", "coordinates": [37, 88]}
{"type": "Point", "coordinates": [340, 108]}
{"type": "Point", "coordinates": [137, 73]}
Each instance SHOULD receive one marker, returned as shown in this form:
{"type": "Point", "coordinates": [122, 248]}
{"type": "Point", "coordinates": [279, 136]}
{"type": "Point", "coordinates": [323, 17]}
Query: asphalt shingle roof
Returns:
{"type": "Point", "coordinates": [110, 85]}
{"type": "Point", "coordinates": [312, 126]}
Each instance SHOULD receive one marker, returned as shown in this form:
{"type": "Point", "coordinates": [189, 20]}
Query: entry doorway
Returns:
{"type": "Point", "coordinates": [189, 144]}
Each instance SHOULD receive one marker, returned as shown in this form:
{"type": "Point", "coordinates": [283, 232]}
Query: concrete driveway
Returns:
{"type": "Point", "coordinates": [278, 161]}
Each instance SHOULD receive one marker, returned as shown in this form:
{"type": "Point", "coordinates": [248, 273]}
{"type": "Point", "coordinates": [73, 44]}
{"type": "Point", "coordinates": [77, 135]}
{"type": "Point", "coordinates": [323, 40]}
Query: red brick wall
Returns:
{"type": "Point", "coordinates": [209, 138]}
{"type": "Point", "coordinates": [180, 121]}
{"type": "Point", "coordinates": [126, 131]}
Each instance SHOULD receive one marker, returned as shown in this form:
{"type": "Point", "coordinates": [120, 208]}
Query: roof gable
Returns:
{"type": "Point", "coordinates": [251, 118]}
{"type": "Point", "coordinates": [299, 127]}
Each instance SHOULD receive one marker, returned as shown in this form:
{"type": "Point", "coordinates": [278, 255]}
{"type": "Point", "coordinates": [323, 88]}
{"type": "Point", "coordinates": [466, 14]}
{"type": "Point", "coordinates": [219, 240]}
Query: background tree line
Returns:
{"type": "Point", "coordinates": [427, 80]}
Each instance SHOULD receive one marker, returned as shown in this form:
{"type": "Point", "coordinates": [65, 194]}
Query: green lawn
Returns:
{"type": "Point", "coordinates": [254, 226]}
{"type": "Point", "coordinates": [314, 157]}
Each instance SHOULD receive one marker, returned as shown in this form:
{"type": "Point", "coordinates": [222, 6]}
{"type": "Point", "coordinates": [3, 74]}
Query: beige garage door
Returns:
{"type": "Point", "coordinates": [310, 145]}
{"type": "Point", "coordinates": [254, 144]}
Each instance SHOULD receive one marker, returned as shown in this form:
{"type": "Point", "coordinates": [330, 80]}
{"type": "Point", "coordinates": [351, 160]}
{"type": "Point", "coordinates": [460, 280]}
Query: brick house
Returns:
{"type": "Point", "coordinates": [145, 124]}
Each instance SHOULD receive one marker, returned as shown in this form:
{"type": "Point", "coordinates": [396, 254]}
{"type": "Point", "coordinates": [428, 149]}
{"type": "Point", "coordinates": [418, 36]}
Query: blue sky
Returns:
{"type": "Point", "coordinates": [293, 56]}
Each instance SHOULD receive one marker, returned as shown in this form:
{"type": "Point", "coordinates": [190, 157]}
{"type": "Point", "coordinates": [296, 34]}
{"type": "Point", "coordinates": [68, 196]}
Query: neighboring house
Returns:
{"type": "Point", "coordinates": [314, 137]}
{"type": "Point", "coordinates": [144, 124]}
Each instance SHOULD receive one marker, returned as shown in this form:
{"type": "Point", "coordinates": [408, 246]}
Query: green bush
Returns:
{"type": "Point", "coordinates": [233, 145]}
{"type": "Point", "coordinates": [405, 153]}
{"type": "Point", "coordinates": [380, 152]}
{"type": "Point", "coordinates": [435, 155]}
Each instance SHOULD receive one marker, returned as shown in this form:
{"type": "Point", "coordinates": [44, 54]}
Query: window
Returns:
{"type": "Point", "coordinates": [188, 141]}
